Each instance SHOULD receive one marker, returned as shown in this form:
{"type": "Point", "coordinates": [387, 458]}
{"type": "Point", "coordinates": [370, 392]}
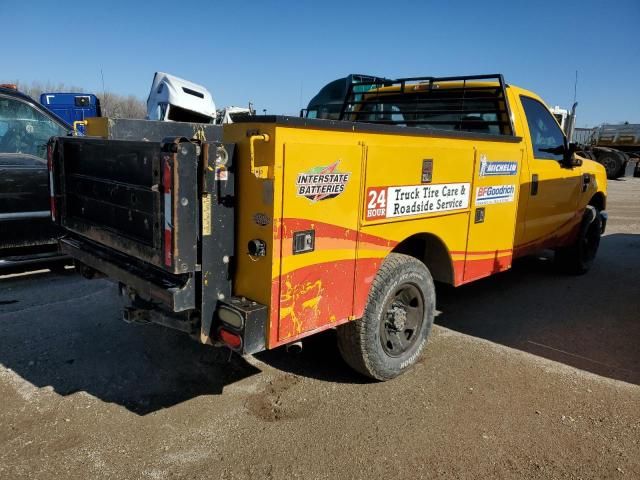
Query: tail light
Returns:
{"type": "Point", "coordinates": [241, 324]}
{"type": "Point", "coordinates": [168, 211]}
{"type": "Point", "coordinates": [230, 339]}
{"type": "Point", "coordinates": [52, 193]}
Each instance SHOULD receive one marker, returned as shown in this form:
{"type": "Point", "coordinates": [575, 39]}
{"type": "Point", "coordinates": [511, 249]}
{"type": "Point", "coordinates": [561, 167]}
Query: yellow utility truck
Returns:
{"type": "Point", "coordinates": [286, 226]}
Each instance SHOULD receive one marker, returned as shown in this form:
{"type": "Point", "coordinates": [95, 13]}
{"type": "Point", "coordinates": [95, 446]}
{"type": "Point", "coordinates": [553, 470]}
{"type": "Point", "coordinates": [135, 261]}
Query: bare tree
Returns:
{"type": "Point", "coordinates": [113, 104]}
{"type": "Point", "coordinates": [34, 89]}
{"type": "Point", "coordinates": [120, 106]}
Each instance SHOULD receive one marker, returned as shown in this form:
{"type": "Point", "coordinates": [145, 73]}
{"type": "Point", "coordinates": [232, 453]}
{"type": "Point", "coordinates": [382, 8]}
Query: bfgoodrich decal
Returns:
{"type": "Point", "coordinates": [495, 194]}
{"type": "Point", "coordinates": [497, 168]}
{"type": "Point", "coordinates": [322, 183]}
{"type": "Point", "coordinates": [405, 201]}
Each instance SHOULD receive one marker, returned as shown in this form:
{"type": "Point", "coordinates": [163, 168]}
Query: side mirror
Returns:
{"type": "Point", "coordinates": [569, 158]}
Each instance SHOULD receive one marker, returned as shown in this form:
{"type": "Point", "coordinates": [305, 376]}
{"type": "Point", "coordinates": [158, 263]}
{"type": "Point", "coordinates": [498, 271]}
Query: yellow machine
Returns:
{"type": "Point", "coordinates": [345, 221]}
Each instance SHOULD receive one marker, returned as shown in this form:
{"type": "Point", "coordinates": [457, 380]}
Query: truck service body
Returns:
{"type": "Point", "coordinates": [286, 226]}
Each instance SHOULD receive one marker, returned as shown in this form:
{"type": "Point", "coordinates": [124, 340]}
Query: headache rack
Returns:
{"type": "Point", "coordinates": [475, 103]}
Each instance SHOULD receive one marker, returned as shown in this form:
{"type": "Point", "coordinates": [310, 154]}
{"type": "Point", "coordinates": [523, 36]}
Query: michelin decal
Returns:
{"type": "Point", "coordinates": [497, 168]}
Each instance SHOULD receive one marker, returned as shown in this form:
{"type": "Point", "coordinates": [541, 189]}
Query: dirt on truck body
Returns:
{"type": "Point", "coordinates": [286, 226]}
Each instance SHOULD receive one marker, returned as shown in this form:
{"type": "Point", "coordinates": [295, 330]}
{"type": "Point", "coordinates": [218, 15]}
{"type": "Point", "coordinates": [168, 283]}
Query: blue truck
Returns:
{"type": "Point", "coordinates": [72, 107]}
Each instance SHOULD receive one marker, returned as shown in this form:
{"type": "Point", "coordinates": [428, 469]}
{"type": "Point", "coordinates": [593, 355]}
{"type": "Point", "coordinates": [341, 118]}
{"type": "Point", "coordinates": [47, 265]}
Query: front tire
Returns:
{"type": "Point", "coordinates": [578, 258]}
{"type": "Point", "coordinates": [398, 317]}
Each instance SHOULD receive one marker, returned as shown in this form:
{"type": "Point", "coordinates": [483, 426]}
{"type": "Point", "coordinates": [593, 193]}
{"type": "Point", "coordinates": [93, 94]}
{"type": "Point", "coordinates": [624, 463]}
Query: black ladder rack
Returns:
{"type": "Point", "coordinates": [474, 103]}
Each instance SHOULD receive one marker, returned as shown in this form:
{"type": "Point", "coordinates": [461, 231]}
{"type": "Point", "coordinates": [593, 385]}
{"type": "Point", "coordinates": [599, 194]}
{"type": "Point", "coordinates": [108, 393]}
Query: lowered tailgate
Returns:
{"type": "Point", "coordinates": [138, 198]}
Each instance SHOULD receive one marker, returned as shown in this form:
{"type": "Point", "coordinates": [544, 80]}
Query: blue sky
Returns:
{"type": "Point", "coordinates": [278, 54]}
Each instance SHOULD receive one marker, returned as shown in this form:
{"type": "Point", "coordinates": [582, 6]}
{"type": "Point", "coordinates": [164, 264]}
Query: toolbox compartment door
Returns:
{"type": "Point", "coordinates": [321, 201]}
{"type": "Point", "coordinates": [492, 221]}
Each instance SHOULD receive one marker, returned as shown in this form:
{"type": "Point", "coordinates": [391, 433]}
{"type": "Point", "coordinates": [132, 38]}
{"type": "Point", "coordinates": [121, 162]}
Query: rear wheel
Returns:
{"type": "Point", "coordinates": [578, 258]}
{"type": "Point", "coordinates": [611, 163]}
{"type": "Point", "coordinates": [392, 333]}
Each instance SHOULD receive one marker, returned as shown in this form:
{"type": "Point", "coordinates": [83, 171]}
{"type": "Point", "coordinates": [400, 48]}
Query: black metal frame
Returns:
{"type": "Point", "coordinates": [354, 99]}
{"type": "Point", "coordinates": [217, 249]}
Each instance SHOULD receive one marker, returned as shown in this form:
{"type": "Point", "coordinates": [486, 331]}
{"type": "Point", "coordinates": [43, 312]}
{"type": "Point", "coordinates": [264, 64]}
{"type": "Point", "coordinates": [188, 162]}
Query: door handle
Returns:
{"type": "Point", "coordinates": [534, 184]}
{"type": "Point", "coordinates": [586, 180]}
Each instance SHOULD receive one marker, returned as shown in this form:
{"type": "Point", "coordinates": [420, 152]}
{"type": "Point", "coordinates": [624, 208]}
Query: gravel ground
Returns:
{"type": "Point", "coordinates": [528, 374]}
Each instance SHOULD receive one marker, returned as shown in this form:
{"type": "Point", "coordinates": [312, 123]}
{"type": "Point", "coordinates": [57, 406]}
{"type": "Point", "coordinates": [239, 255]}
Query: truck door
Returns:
{"type": "Point", "coordinates": [24, 184]}
{"type": "Point", "coordinates": [321, 199]}
{"type": "Point", "coordinates": [552, 190]}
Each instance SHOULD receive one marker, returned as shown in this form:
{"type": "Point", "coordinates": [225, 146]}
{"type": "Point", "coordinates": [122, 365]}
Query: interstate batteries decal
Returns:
{"type": "Point", "coordinates": [495, 194]}
{"type": "Point", "coordinates": [406, 201]}
{"type": "Point", "coordinates": [322, 183]}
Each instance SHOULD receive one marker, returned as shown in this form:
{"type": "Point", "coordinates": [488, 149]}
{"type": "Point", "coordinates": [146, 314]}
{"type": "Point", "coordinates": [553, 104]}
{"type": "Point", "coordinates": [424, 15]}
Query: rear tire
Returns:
{"type": "Point", "coordinates": [398, 317]}
{"type": "Point", "coordinates": [578, 258]}
{"type": "Point", "coordinates": [612, 164]}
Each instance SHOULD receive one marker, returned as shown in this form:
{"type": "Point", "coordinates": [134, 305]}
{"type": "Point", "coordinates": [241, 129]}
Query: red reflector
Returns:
{"type": "Point", "coordinates": [167, 247]}
{"type": "Point", "coordinates": [233, 340]}
{"type": "Point", "coordinates": [53, 208]}
{"type": "Point", "coordinates": [168, 212]}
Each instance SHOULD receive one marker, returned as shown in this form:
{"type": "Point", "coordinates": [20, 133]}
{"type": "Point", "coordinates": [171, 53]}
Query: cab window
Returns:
{"type": "Point", "coordinates": [546, 137]}
{"type": "Point", "coordinates": [24, 129]}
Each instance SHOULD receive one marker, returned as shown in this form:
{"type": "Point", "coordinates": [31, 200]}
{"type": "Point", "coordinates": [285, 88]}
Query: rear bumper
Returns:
{"type": "Point", "coordinates": [154, 296]}
{"type": "Point", "coordinates": [176, 293]}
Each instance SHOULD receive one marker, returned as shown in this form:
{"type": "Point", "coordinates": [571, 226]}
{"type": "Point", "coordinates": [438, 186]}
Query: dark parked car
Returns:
{"type": "Point", "coordinates": [27, 233]}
